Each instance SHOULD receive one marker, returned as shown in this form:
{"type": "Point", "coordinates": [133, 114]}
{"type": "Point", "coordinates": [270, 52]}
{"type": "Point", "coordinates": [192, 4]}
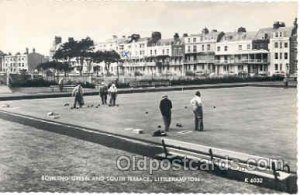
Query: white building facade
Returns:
{"type": "Point", "coordinates": [263, 52]}
{"type": "Point", "coordinates": [236, 55]}
{"type": "Point", "coordinates": [279, 48]}
{"type": "Point", "coordinates": [26, 62]}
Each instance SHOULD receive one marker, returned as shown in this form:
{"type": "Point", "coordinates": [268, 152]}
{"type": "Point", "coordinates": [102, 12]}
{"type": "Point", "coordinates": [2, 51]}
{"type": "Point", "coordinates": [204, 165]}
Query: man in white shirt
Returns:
{"type": "Point", "coordinates": [113, 94]}
{"type": "Point", "coordinates": [198, 111]}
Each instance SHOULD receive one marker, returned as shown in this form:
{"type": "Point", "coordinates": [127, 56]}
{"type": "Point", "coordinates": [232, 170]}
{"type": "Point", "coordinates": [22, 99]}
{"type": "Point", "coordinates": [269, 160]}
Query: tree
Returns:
{"type": "Point", "coordinates": [110, 57]}
{"type": "Point", "coordinates": [83, 51]}
{"type": "Point", "coordinates": [59, 66]}
{"type": "Point", "coordinates": [80, 50]}
{"type": "Point", "coordinates": [96, 57]}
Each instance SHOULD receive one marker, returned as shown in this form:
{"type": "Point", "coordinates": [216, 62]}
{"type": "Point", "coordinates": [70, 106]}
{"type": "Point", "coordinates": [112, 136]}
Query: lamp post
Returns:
{"type": "Point", "coordinates": [118, 71]}
{"type": "Point", "coordinates": [7, 76]}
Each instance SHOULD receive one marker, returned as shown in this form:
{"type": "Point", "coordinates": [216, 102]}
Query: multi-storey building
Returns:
{"type": "Point", "coordinates": [1, 59]}
{"type": "Point", "coordinates": [146, 56]}
{"type": "Point", "coordinates": [165, 56]}
{"type": "Point", "coordinates": [133, 53]}
{"type": "Point", "coordinates": [55, 45]}
{"type": "Point", "coordinates": [240, 53]}
{"type": "Point", "coordinates": [293, 52]}
{"type": "Point", "coordinates": [279, 48]}
{"type": "Point", "coordinates": [200, 51]}
{"type": "Point", "coordinates": [22, 62]}
{"type": "Point", "coordinates": [267, 51]}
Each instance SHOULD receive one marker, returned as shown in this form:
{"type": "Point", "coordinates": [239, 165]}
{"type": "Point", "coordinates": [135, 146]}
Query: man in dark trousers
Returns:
{"type": "Point", "coordinates": [198, 111]}
{"type": "Point", "coordinates": [165, 107]}
{"type": "Point", "coordinates": [78, 94]}
{"type": "Point", "coordinates": [103, 91]}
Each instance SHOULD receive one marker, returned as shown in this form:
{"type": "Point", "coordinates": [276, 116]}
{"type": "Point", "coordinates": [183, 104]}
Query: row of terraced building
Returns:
{"type": "Point", "coordinates": [267, 51]}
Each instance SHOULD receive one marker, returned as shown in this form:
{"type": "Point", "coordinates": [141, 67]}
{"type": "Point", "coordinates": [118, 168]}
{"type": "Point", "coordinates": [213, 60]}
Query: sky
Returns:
{"type": "Point", "coordinates": [34, 23]}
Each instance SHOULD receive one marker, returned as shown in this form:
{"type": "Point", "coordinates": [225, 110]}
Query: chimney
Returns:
{"type": "Point", "coordinates": [27, 51]}
{"type": "Point", "coordinates": [57, 40]}
{"type": "Point", "coordinates": [205, 31]}
{"type": "Point", "coordinates": [33, 50]}
{"type": "Point", "coordinates": [278, 24]}
{"type": "Point", "coordinates": [70, 39]}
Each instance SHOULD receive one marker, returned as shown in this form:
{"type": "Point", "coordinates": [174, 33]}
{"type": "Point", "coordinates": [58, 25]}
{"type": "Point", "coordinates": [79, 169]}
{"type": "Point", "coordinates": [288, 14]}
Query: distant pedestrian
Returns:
{"type": "Point", "coordinates": [286, 82]}
{"type": "Point", "coordinates": [113, 94]}
{"type": "Point", "coordinates": [103, 91]}
{"type": "Point", "coordinates": [61, 84]}
{"type": "Point", "coordinates": [78, 94]}
{"type": "Point", "coordinates": [165, 107]}
{"type": "Point", "coordinates": [198, 111]}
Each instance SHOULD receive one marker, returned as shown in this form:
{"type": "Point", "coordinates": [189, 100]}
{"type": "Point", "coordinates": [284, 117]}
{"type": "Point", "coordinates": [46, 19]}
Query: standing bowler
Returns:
{"type": "Point", "coordinates": [165, 107]}
{"type": "Point", "coordinates": [198, 111]}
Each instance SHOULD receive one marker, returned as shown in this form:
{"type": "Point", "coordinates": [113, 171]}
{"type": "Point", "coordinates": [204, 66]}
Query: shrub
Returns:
{"type": "Point", "coordinates": [33, 83]}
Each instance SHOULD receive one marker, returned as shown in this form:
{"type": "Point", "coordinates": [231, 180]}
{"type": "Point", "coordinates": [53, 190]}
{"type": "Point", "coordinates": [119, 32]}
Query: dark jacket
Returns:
{"type": "Point", "coordinates": [165, 107]}
{"type": "Point", "coordinates": [103, 89]}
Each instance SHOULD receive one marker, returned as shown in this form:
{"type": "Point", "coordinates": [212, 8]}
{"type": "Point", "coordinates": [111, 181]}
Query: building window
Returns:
{"type": "Point", "coordinates": [280, 34]}
{"type": "Point", "coordinates": [276, 34]}
{"type": "Point", "coordinates": [280, 66]}
{"type": "Point", "coordinates": [225, 48]}
{"type": "Point", "coordinates": [286, 44]}
{"type": "Point", "coordinates": [240, 47]}
{"type": "Point", "coordinates": [155, 52]}
{"type": "Point", "coordinates": [208, 47]}
{"type": "Point", "coordinates": [189, 48]}
{"type": "Point", "coordinates": [276, 55]}
{"type": "Point", "coordinates": [151, 52]}
{"type": "Point", "coordinates": [276, 44]}
{"type": "Point", "coordinates": [189, 40]}
{"type": "Point", "coordinates": [218, 48]}
{"type": "Point", "coordinates": [286, 56]}
{"type": "Point", "coordinates": [280, 55]}
{"type": "Point", "coordinates": [163, 52]}
{"type": "Point", "coordinates": [248, 46]}
{"type": "Point", "coordinates": [194, 48]}
{"type": "Point", "coordinates": [280, 44]}
{"type": "Point", "coordinates": [202, 47]}
{"type": "Point", "coordinates": [194, 40]}
{"type": "Point", "coordinates": [276, 66]}
{"type": "Point", "coordinates": [167, 51]}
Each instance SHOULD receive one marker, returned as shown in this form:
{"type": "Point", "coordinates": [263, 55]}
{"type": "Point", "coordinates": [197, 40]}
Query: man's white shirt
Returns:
{"type": "Point", "coordinates": [196, 102]}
